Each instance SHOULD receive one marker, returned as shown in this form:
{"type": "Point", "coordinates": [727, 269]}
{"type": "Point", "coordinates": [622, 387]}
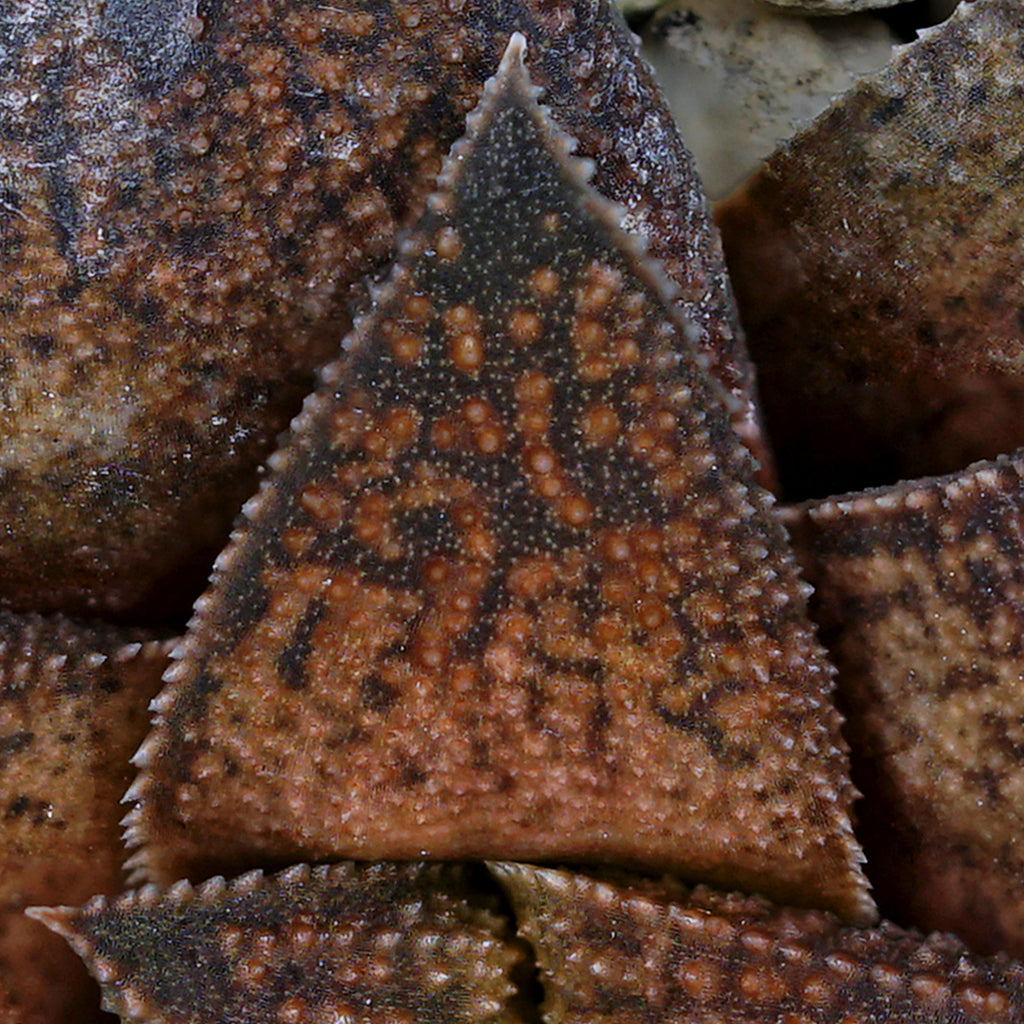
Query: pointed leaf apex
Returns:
{"type": "Point", "coordinates": [513, 60]}
{"type": "Point", "coordinates": [57, 919]}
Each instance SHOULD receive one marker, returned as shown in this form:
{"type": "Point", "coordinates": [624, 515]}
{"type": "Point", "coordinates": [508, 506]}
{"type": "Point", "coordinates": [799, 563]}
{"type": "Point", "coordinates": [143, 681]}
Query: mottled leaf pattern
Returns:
{"type": "Point", "coordinates": [73, 702]}
{"type": "Point", "coordinates": [637, 952]}
{"type": "Point", "coordinates": [190, 193]}
{"type": "Point", "coordinates": [511, 588]}
{"type": "Point", "coordinates": [879, 263]}
{"type": "Point", "coordinates": [370, 944]}
{"type": "Point", "coordinates": [920, 595]}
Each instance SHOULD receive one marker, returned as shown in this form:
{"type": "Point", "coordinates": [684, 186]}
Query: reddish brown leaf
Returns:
{"type": "Point", "coordinates": [643, 952]}
{"type": "Point", "coordinates": [73, 702]}
{"type": "Point", "coordinates": [920, 593]}
{"type": "Point", "coordinates": [879, 263]}
{"type": "Point", "coordinates": [370, 944]}
{"type": "Point", "coordinates": [187, 204]}
{"type": "Point", "coordinates": [511, 588]}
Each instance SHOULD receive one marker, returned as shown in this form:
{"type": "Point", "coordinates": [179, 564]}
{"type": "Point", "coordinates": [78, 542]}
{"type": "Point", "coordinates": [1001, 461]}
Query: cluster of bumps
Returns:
{"type": "Point", "coordinates": [508, 676]}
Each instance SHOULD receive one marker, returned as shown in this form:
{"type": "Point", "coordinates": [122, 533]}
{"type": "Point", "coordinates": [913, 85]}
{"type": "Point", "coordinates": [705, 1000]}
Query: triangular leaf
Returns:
{"type": "Point", "coordinates": [511, 587]}
{"type": "Point", "coordinates": [369, 944]}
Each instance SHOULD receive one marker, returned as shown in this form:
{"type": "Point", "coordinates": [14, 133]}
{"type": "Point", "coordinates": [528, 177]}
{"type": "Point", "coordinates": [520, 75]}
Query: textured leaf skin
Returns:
{"type": "Point", "coordinates": [879, 265]}
{"type": "Point", "coordinates": [73, 708]}
{"type": "Point", "coordinates": [189, 203]}
{"type": "Point", "coordinates": [632, 952]}
{"type": "Point", "coordinates": [919, 590]}
{"type": "Point", "coordinates": [511, 586]}
{"type": "Point", "coordinates": [370, 943]}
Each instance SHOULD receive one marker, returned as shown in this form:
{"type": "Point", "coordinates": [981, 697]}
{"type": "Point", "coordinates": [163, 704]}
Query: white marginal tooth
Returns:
{"type": "Point", "coordinates": [278, 462]}
{"type": "Point", "coordinates": [330, 373]}
{"type": "Point", "coordinates": [127, 652]}
{"type": "Point", "coordinates": [222, 561]}
{"type": "Point", "coordinates": [180, 890]}
{"type": "Point", "coordinates": [144, 755]}
{"type": "Point", "coordinates": [55, 662]}
{"type": "Point", "coordinates": [162, 702]}
{"type": "Point", "coordinates": [149, 893]}
{"type": "Point", "coordinates": [211, 889]}
{"type": "Point", "coordinates": [251, 505]}
{"type": "Point", "coordinates": [134, 793]}
{"type": "Point", "coordinates": [173, 674]}
{"type": "Point", "coordinates": [249, 882]}
{"type": "Point", "coordinates": [294, 875]}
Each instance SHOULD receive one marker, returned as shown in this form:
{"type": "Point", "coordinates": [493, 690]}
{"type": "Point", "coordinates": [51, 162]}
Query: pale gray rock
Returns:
{"type": "Point", "coordinates": [632, 6]}
{"type": "Point", "coordinates": [741, 76]}
{"type": "Point", "coordinates": [939, 9]}
{"type": "Point", "coordinates": [831, 6]}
